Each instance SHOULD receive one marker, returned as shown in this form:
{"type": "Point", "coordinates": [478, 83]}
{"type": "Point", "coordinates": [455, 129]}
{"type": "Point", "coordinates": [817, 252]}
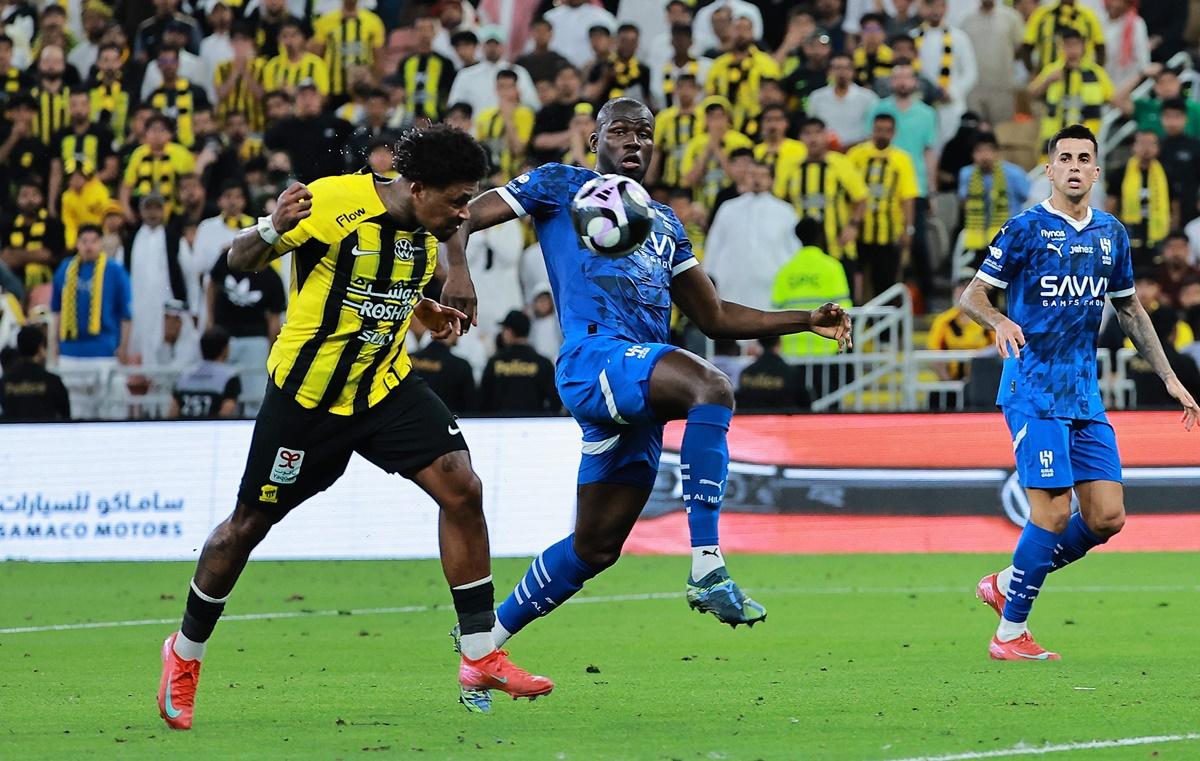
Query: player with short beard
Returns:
{"type": "Point", "coordinates": [1057, 261]}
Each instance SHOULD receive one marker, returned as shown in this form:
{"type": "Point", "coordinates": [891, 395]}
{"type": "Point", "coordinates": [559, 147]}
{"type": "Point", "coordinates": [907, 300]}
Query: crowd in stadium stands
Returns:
{"type": "Point", "coordinates": [812, 149]}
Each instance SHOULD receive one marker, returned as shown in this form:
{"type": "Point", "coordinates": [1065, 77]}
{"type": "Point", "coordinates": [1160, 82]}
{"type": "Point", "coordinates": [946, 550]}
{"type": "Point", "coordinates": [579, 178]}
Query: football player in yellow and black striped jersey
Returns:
{"type": "Point", "coordinates": [341, 382]}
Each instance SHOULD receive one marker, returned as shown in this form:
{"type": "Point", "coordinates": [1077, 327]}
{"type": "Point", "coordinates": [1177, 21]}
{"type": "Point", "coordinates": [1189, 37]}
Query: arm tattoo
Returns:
{"type": "Point", "coordinates": [1136, 324]}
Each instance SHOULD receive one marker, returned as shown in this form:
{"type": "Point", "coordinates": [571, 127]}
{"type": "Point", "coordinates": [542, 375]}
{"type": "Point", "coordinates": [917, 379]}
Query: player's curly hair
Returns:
{"type": "Point", "coordinates": [439, 156]}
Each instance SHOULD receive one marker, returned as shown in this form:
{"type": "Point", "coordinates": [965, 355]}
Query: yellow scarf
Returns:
{"type": "Point", "coordinates": [68, 328]}
{"type": "Point", "coordinates": [1145, 205]}
{"type": "Point", "coordinates": [943, 80]}
{"type": "Point", "coordinates": [985, 212]}
{"type": "Point", "coordinates": [625, 75]}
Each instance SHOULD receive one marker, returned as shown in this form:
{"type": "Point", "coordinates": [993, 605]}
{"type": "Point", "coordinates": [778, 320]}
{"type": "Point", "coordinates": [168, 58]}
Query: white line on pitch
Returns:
{"type": "Point", "coordinates": [585, 600]}
{"type": "Point", "coordinates": [1042, 750]}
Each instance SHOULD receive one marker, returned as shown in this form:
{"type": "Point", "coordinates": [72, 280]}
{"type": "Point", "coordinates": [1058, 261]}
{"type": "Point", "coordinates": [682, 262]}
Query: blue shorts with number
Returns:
{"type": "Point", "coordinates": [604, 383]}
{"type": "Point", "coordinates": [1053, 453]}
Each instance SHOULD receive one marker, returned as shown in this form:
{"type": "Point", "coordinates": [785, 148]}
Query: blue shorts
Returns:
{"type": "Point", "coordinates": [604, 383]}
{"type": "Point", "coordinates": [1053, 453]}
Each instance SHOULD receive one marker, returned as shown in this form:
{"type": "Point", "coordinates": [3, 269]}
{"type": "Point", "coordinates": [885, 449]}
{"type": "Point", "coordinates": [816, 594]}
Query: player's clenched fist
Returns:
{"type": "Point", "coordinates": [831, 321]}
{"type": "Point", "coordinates": [294, 204]}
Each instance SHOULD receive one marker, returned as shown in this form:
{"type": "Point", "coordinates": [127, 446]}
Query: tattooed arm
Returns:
{"type": "Point", "coordinates": [1136, 324]}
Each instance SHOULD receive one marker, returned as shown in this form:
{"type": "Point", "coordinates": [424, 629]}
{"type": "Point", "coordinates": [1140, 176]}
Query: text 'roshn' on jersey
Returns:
{"type": "Point", "coordinates": [1057, 271]}
{"type": "Point", "coordinates": [627, 297]}
{"type": "Point", "coordinates": [356, 277]}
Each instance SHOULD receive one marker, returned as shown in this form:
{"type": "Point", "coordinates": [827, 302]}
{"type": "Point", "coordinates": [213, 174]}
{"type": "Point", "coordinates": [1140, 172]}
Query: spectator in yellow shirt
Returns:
{"type": "Point", "coordinates": [505, 130]}
{"type": "Point", "coordinates": [1045, 28]}
{"type": "Point", "coordinates": [348, 38]}
{"type": "Point", "coordinates": [738, 74]}
{"type": "Point", "coordinates": [705, 166]}
{"type": "Point", "coordinates": [83, 202]}
{"type": "Point", "coordinates": [780, 152]}
{"type": "Point", "coordinates": [1074, 90]}
{"type": "Point", "coordinates": [953, 329]}
{"type": "Point", "coordinates": [155, 166]}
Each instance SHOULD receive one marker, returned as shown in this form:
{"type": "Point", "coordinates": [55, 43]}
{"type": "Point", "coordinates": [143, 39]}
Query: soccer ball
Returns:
{"type": "Point", "coordinates": [612, 215]}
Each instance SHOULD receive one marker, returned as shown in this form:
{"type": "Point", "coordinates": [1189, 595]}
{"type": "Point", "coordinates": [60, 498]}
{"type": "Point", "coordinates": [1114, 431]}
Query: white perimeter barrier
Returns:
{"type": "Point", "coordinates": [153, 491]}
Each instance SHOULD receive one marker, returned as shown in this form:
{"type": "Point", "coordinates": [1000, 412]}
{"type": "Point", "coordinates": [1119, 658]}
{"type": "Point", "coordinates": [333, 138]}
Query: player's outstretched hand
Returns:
{"type": "Point", "coordinates": [459, 293]}
{"type": "Point", "coordinates": [439, 319]}
{"type": "Point", "coordinates": [1191, 412]}
{"type": "Point", "coordinates": [294, 204]}
{"type": "Point", "coordinates": [831, 321]}
{"type": "Point", "coordinates": [1009, 338]}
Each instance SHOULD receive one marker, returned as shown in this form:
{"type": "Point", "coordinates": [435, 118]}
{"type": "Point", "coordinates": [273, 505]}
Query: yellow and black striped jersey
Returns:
{"type": "Point", "coordinates": [147, 173]}
{"type": "Point", "coordinates": [891, 180]}
{"type": "Point", "coordinates": [356, 278]}
{"type": "Point", "coordinates": [427, 78]}
{"type": "Point", "coordinates": [349, 42]}
{"type": "Point", "coordinates": [674, 128]}
{"type": "Point", "coordinates": [492, 132]}
{"type": "Point", "coordinates": [51, 114]}
{"type": "Point", "coordinates": [110, 107]}
{"type": "Point", "coordinates": [280, 73]}
{"type": "Point", "coordinates": [825, 190]}
{"type": "Point", "coordinates": [241, 99]}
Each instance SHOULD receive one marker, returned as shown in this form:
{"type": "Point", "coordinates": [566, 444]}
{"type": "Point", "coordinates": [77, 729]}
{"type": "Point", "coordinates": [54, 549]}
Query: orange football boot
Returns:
{"type": "Point", "coordinates": [177, 689]}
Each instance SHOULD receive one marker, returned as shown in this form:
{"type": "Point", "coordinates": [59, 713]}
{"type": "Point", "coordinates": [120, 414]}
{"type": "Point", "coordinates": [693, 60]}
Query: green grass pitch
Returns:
{"type": "Point", "coordinates": [862, 657]}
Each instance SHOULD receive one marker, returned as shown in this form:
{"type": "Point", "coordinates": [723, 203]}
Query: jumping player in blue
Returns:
{"type": "Point", "coordinates": [620, 378]}
{"type": "Point", "coordinates": [1057, 261]}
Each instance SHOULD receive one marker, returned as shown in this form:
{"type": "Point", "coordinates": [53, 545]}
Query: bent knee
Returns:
{"type": "Point", "coordinates": [1108, 525]}
{"type": "Point", "coordinates": [465, 494]}
{"type": "Point", "coordinates": [598, 556]}
{"type": "Point", "coordinates": [714, 388]}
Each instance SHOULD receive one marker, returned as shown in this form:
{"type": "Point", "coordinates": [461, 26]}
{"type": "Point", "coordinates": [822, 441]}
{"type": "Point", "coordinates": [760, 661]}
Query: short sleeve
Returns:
{"type": "Point", "coordinates": [541, 191]}
{"type": "Point", "coordinates": [1120, 284]}
{"type": "Point", "coordinates": [906, 188]}
{"type": "Point", "coordinates": [233, 388]}
{"type": "Point", "coordinates": [684, 258]}
{"type": "Point", "coordinates": [296, 237]}
{"type": "Point", "coordinates": [852, 182]}
{"type": "Point", "coordinates": [1005, 258]}
{"type": "Point", "coordinates": [1031, 28]}
{"type": "Point", "coordinates": [132, 169]}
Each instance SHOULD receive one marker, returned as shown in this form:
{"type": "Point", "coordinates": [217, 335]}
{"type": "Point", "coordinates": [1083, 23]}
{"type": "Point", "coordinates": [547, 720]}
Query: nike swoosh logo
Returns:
{"type": "Point", "coordinates": [452, 430]}
{"type": "Point", "coordinates": [501, 679]}
{"type": "Point", "coordinates": [359, 252]}
{"type": "Point", "coordinates": [172, 711]}
{"type": "Point", "coordinates": [1041, 657]}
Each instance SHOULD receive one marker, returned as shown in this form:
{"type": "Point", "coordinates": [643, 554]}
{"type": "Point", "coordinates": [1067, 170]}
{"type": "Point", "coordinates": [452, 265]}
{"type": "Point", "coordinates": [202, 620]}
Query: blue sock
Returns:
{"type": "Point", "coordinates": [1031, 562]}
{"type": "Point", "coordinates": [552, 578]}
{"type": "Point", "coordinates": [704, 461]}
{"type": "Point", "coordinates": [1074, 542]}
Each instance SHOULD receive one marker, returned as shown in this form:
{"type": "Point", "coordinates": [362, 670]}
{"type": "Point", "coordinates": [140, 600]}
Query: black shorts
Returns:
{"type": "Point", "coordinates": [298, 452]}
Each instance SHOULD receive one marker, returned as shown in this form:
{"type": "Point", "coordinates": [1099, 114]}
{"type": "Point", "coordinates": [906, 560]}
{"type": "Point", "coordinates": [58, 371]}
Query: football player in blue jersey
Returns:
{"type": "Point", "coordinates": [1057, 261]}
{"type": "Point", "coordinates": [621, 379]}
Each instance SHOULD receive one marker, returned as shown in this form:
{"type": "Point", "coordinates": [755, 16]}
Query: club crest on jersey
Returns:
{"type": "Point", "coordinates": [286, 468]}
{"type": "Point", "coordinates": [1105, 251]}
{"type": "Point", "coordinates": [404, 249]}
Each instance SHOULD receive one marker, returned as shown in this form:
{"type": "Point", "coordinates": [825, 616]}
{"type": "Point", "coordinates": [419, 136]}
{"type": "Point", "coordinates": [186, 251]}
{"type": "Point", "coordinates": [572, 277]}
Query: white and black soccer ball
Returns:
{"type": "Point", "coordinates": [612, 215]}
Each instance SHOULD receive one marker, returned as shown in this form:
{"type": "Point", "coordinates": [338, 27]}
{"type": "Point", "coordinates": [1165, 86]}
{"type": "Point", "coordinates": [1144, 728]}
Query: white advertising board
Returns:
{"type": "Point", "coordinates": [154, 490]}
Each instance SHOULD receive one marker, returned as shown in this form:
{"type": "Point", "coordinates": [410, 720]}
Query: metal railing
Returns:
{"type": "Point", "coordinates": [876, 375]}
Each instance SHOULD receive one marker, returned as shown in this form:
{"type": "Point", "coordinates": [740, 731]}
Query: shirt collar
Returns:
{"type": "Point", "coordinates": [1078, 224]}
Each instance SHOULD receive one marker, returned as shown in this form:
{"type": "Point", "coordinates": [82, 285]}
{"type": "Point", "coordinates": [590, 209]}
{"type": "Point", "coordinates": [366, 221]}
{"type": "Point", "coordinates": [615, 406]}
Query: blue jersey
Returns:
{"type": "Point", "coordinates": [627, 297]}
{"type": "Point", "coordinates": [1057, 272]}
